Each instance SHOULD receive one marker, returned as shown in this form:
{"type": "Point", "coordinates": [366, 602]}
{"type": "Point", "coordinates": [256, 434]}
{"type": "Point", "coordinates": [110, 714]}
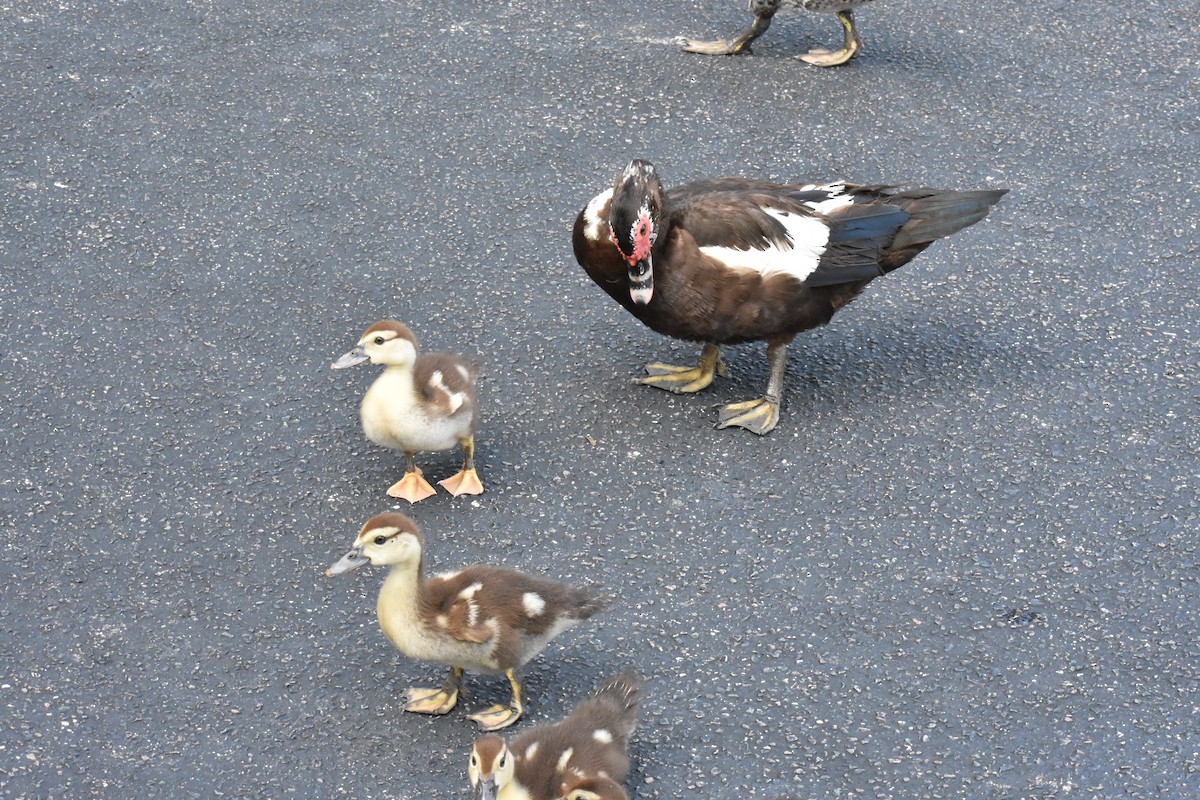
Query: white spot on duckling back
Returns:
{"type": "Point", "coordinates": [602, 736]}
{"type": "Point", "coordinates": [808, 238]}
{"type": "Point", "coordinates": [531, 751]}
{"type": "Point", "coordinates": [565, 758]}
{"type": "Point", "coordinates": [436, 380]}
{"type": "Point", "coordinates": [468, 595]}
{"type": "Point", "coordinates": [463, 371]}
{"type": "Point", "coordinates": [533, 603]}
{"type": "Point", "coordinates": [593, 225]}
{"type": "Point", "coordinates": [448, 575]}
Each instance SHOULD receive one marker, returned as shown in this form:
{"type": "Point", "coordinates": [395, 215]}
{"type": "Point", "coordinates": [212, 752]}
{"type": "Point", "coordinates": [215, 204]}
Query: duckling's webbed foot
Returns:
{"type": "Point", "coordinates": [685, 379]}
{"type": "Point", "coordinates": [739, 44]}
{"type": "Point", "coordinates": [466, 480]}
{"type": "Point", "coordinates": [435, 701]}
{"type": "Point", "coordinates": [412, 487]}
{"type": "Point", "coordinates": [498, 716]}
{"type": "Point", "coordinates": [851, 45]}
{"type": "Point", "coordinates": [759, 416]}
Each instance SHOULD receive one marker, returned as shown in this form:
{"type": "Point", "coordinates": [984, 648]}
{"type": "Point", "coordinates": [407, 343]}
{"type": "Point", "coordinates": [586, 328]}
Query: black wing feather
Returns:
{"type": "Point", "coordinates": [858, 236]}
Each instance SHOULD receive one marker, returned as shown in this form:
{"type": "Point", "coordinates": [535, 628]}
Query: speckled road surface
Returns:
{"type": "Point", "coordinates": [964, 566]}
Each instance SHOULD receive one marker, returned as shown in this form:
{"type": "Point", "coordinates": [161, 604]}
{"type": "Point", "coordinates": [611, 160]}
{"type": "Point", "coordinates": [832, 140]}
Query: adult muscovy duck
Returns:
{"type": "Point", "coordinates": [729, 260]}
{"type": "Point", "coordinates": [764, 10]}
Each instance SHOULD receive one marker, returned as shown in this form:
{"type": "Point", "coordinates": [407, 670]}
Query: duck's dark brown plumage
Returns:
{"type": "Point", "coordinates": [730, 260]}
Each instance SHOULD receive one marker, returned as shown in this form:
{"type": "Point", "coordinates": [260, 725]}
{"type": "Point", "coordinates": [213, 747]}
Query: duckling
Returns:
{"type": "Point", "coordinates": [420, 402]}
{"type": "Point", "coordinates": [576, 755]}
{"type": "Point", "coordinates": [764, 10]}
{"type": "Point", "coordinates": [485, 619]}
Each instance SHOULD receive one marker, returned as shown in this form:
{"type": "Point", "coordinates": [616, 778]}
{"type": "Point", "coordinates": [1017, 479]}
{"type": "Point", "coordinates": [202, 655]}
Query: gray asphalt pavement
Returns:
{"type": "Point", "coordinates": [964, 565]}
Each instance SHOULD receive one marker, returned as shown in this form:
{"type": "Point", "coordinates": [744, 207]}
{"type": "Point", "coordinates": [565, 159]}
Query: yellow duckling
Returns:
{"type": "Point", "coordinates": [420, 402]}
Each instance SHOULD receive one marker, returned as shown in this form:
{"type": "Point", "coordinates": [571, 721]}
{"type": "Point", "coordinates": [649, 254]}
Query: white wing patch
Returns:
{"type": "Point", "coordinates": [602, 736]}
{"type": "Point", "coordinates": [593, 225]}
{"type": "Point", "coordinates": [808, 237]}
{"type": "Point", "coordinates": [531, 751]}
{"type": "Point", "coordinates": [831, 204]}
{"type": "Point", "coordinates": [455, 398]}
{"type": "Point", "coordinates": [837, 187]}
{"type": "Point", "coordinates": [468, 594]}
{"type": "Point", "coordinates": [565, 758]}
{"type": "Point", "coordinates": [533, 603]}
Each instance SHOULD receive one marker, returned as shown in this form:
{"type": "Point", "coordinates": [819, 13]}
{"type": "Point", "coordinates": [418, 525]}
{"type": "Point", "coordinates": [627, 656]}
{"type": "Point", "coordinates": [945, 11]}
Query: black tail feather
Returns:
{"type": "Point", "coordinates": [935, 215]}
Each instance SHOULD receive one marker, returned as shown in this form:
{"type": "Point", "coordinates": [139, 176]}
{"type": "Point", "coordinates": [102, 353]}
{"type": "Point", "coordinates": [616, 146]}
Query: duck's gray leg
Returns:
{"type": "Point", "coordinates": [763, 11]}
{"type": "Point", "coordinates": [851, 45]}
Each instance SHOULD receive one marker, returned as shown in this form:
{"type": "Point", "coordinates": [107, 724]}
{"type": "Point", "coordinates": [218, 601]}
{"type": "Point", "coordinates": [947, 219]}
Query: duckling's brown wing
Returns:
{"type": "Point", "coordinates": [452, 602]}
{"type": "Point", "coordinates": [599, 729]}
{"type": "Point", "coordinates": [446, 382]}
{"type": "Point", "coordinates": [591, 741]}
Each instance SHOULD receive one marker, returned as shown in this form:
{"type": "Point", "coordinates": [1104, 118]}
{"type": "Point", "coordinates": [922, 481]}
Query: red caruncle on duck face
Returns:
{"type": "Point", "coordinates": [641, 236]}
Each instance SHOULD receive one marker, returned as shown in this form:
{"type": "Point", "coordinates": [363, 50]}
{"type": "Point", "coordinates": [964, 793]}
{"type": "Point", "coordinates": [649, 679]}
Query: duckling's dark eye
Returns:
{"type": "Point", "coordinates": [380, 539]}
{"type": "Point", "coordinates": [378, 340]}
{"type": "Point", "coordinates": [474, 763]}
{"type": "Point", "coordinates": [503, 759]}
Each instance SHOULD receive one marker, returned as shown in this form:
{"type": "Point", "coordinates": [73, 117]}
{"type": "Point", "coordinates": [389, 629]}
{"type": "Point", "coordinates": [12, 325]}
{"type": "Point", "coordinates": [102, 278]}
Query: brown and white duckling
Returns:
{"type": "Point", "coordinates": [565, 758]}
{"type": "Point", "coordinates": [484, 619]}
{"type": "Point", "coordinates": [420, 402]}
{"type": "Point", "coordinates": [764, 10]}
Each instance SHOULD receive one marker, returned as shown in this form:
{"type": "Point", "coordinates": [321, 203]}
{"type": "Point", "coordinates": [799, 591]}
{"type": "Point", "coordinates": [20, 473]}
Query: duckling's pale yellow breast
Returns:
{"type": "Point", "coordinates": [398, 608]}
{"type": "Point", "coordinates": [394, 415]}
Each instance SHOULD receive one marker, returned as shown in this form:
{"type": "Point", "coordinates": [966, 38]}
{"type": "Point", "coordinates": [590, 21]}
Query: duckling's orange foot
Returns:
{"type": "Point", "coordinates": [431, 701]}
{"type": "Point", "coordinates": [720, 47]}
{"type": "Point", "coordinates": [412, 487]}
{"type": "Point", "coordinates": [820, 57]}
{"type": "Point", "coordinates": [465, 482]}
{"type": "Point", "coordinates": [496, 717]}
{"type": "Point", "coordinates": [760, 416]}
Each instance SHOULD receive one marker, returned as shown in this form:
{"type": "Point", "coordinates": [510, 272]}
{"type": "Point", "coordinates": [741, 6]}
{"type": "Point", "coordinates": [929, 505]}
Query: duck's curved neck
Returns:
{"type": "Point", "coordinates": [399, 597]}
